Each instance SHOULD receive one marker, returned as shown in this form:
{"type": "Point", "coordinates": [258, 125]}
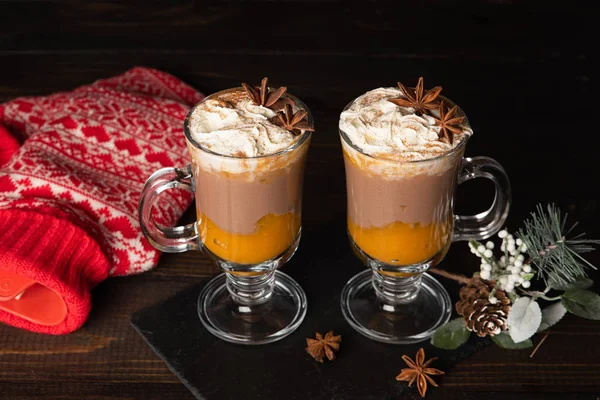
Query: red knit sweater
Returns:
{"type": "Point", "coordinates": [69, 193]}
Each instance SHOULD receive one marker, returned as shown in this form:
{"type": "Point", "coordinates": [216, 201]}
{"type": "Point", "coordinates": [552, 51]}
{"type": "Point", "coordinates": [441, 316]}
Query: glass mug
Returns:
{"type": "Point", "coordinates": [401, 222]}
{"type": "Point", "coordinates": [249, 224]}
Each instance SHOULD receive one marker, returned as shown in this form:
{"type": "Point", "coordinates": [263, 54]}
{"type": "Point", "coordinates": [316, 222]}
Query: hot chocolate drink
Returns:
{"type": "Point", "coordinates": [403, 151]}
{"type": "Point", "coordinates": [248, 171]}
{"type": "Point", "coordinates": [399, 188]}
{"type": "Point", "coordinates": [248, 148]}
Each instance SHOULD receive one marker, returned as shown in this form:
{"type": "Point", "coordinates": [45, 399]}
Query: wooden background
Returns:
{"type": "Point", "coordinates": [521, 71]}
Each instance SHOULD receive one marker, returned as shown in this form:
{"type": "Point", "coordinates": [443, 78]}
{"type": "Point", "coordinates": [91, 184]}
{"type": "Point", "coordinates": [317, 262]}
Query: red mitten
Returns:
{"type": "Point", "coordinates": [69, 194]}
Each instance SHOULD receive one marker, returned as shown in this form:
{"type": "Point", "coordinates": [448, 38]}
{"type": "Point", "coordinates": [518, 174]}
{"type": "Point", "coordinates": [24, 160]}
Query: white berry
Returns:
{"type": "Point", "coordinates": [526, 284]}
{"type": "Point", "coordinates": [485, 274]}
{"type": "Point", "coordinates": [502, 234]}
{"type": "Point", "coordinates": [490, 245]}
{"type": "Point", "coordinates": [527, 268]}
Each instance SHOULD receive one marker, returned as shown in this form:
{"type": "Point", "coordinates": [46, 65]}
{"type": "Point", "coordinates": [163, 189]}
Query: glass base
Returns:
{"type": "Point", "coordinates": [268, 322]}
{"type": "Point", "coordinates": [407, 323]}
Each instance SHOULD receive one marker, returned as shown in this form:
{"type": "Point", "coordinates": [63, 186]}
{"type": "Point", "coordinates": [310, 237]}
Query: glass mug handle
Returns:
{"type": "Point", "coordinates": [485, 224]}
{"type": "Point", "coordinates": [170, 240]}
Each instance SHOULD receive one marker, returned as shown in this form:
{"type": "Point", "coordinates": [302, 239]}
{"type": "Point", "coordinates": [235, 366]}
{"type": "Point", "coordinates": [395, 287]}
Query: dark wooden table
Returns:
{"type": "Point", "coordinates": [522, 73]}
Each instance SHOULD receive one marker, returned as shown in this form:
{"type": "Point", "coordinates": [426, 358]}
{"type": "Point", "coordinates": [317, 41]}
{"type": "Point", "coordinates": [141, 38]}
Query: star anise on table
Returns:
{"type": "Point", "coordinates": [322, 347]}
{"type": "Point", "coordinates": [419, 371]}
{"type": "Point", "coordinates": [262, 96]}
{"type": "Point", "coordinates": [293, 122]}
{"type": "Point", "coordinates": [415, 98]}
{"type": "Point", "coordinates": [448, 123]}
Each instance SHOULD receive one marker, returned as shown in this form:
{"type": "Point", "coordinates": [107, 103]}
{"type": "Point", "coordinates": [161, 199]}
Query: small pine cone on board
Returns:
{"type": "Point", "coordinates": [481, 315]}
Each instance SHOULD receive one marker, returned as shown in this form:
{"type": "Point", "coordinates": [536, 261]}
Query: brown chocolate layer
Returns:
{"type": "Point", "coordinates": [235, 202]}
{"type": "Point", "coordinates": [378, 200]}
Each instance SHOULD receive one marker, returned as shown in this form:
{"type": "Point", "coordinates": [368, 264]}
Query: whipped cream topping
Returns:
{"type": "Point", "coordinates": [381, 128]}
{"type": "Point", "coordinates": [231, 124]}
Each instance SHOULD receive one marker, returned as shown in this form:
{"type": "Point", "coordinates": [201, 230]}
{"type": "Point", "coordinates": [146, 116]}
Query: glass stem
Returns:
{"type": "Point", "coordinates": [395, 290]}
{"type": "Point", "coordinates": [250, 290]}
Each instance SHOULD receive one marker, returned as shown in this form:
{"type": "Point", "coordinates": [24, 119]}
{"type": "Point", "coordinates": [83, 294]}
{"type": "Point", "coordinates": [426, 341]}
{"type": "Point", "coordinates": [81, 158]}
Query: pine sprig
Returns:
{"type": "Point", "coordinates": [557, 257]}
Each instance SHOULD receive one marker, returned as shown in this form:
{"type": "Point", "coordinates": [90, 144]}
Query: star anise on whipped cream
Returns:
{"type": "Point", "coordinates": [262, 95]}
{"type": "Point", "coordinates": [293, 122]}
{"type": "Point", "coordinates": [415, 98]}
{"type": "Point", "coordinates": [448, 123]}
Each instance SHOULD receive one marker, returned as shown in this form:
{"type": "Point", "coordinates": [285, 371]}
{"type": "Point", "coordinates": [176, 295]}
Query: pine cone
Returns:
{"type": "Point", "coordinates": [482, 316]}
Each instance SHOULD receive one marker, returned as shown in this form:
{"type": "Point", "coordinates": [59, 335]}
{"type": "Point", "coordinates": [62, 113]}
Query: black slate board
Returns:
{"type": "Point", "coordinates": [213, 369]}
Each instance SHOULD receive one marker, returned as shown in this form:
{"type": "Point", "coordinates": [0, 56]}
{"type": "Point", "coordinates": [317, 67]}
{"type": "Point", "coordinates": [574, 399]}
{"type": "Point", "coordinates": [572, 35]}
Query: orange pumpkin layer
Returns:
{"type": "Point", "coordinates": [273, 235]}
{"type": "Point", "coordinates": [399, 243]}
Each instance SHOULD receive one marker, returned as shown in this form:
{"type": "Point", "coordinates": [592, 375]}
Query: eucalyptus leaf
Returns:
{"type": "Point", "coordinates": [451, 335]}
{"type": "Point", "coordinates": [505, 341]}
{"type": "Point", "coordinates": [551, 315]}
{"type": "Point", "coordinates": [579, 283]}
{"type": "Point", "coordinates": [582, 303]}
{"type": "Point", "coordinates": [524, 319]}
